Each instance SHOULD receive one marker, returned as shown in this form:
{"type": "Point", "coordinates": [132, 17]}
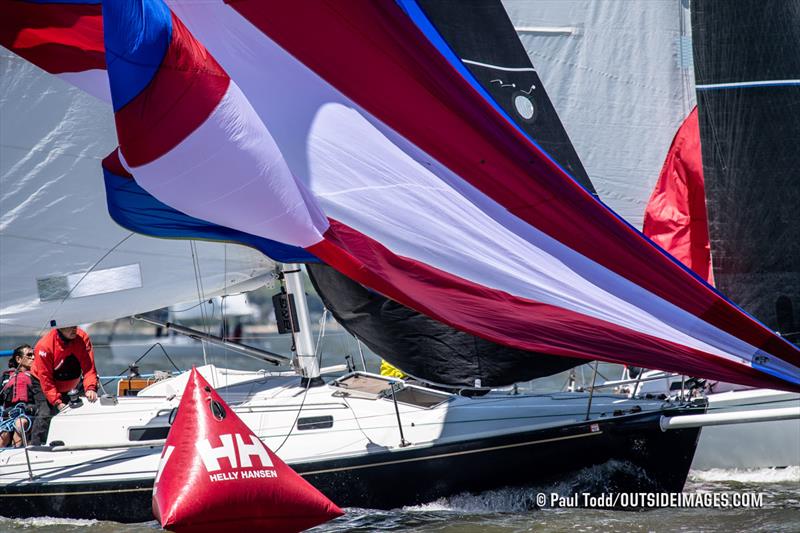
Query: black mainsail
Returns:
{"type": "Point", "coordinates": [482, 35]}
{"type": "Point", "coordinates": [747, 67]}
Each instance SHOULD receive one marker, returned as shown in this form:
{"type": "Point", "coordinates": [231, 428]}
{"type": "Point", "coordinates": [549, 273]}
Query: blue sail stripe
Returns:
{"type": "Point", "coordinates": [137, 210]}
{"type": "Point", "coordinates": [137, 35]}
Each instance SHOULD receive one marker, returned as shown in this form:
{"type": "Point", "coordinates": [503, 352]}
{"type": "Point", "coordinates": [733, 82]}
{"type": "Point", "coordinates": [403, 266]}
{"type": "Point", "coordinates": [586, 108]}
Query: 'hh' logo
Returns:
{"type": "Point", "coordinates": [228, 450]}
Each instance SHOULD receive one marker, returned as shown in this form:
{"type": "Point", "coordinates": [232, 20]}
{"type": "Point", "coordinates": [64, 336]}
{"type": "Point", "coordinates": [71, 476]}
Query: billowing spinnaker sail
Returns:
{"type": "Point", "coordinates": [135, 209]}
{"type": "Point", "coordinates": [63, 38]}
{"type": "Point", "coordinates": [480, 41]}
{"type": "Point", "coordinates": [431, 196]}
{"type": "Point", "coordinates": [748, 96]}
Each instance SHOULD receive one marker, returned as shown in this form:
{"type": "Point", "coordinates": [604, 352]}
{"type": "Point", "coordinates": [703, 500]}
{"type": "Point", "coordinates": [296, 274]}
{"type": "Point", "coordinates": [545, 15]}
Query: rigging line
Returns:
{"type": "Point", "coordinates": [718, 152]}
{"type": "Point", "coordinates": [64, 299]}
{"type": "Point", "coordinates": [296, 418]}
{"type": "Point", "coordinates": [361, 354]}
{"type": "Point", "coordinates": [357, 421]}
{"type": "Point", "coordinates": [222, 305]}
{"type": "Point", "coordinates": [195, 306]}
{"type": "Point", "coordinates": [322, 323]}
{"type": "Point", "coordinates": [200, 299]}
{"type": "Point", "coordinates": [158, 344]}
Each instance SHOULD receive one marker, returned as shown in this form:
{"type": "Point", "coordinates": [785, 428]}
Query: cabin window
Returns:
{"type": "Point", "coordinates": [147, 433]}
{"type": "Point", "coordinates": [315, 422]}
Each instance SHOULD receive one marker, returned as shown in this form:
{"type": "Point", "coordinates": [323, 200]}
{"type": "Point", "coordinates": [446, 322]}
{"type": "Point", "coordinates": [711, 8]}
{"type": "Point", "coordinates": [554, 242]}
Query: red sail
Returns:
{"type": "Point", "coordinates": [216, 473]}
{"type": "Point", "coordinates": [675, 217]}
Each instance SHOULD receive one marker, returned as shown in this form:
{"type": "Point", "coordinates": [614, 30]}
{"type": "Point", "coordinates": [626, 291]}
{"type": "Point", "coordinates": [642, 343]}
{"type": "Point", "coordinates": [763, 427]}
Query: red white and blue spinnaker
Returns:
{"type": "Point", "coordinates": [339, 129]}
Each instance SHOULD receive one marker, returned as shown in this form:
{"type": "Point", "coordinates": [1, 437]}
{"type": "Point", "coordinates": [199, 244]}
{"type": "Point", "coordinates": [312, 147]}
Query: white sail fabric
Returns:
{"type": "Point", "coordinates": [63, 258]}
{"type": "Point", "coordinates": [620, 76]}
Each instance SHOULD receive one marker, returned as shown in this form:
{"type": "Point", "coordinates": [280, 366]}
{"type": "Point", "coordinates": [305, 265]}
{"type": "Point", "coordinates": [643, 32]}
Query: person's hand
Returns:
{"type": "Point", "coordinates": [91, 395]}
{"type": "Point", "coordinates": [62, 407]}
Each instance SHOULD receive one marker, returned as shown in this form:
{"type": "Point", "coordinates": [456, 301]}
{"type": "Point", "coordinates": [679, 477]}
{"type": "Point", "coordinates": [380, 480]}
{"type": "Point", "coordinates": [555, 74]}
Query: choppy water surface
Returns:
{"type": "Point", "coordinates": [515, 511]}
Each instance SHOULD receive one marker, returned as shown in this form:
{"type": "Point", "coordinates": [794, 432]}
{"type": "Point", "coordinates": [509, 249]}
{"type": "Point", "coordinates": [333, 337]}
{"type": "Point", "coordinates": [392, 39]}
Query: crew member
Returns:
{"type": "Point", "coordinates": [22, 398]}
{"type": "Point", "coordinates": [62, 356]}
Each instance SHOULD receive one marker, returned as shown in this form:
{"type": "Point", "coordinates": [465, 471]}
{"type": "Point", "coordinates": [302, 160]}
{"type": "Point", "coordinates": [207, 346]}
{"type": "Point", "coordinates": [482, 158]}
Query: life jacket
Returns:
{"type": "Point", "coordinates": [16, 389]}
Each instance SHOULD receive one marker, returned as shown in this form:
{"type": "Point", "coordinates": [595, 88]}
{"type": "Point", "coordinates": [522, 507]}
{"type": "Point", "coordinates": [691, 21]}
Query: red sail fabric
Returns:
{"type": "Point", "coordinates": [58, 37]}
{"type": "Point", "coordinates": [215, 473]}
{"type": "Point", "coordinates": [675, 217]}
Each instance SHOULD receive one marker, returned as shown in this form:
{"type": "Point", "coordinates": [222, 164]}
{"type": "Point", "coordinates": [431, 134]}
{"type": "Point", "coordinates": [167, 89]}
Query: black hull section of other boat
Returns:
{"type": "Point", "coordinates": [415, 475]}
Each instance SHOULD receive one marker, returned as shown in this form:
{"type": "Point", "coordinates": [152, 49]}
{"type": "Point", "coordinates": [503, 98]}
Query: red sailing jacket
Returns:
{"type": "Point", "coordinates": [59, 364]}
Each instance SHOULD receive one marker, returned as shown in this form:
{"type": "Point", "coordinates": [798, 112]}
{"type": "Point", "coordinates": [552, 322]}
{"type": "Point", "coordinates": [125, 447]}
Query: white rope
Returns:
{"type": "Point", "coordinates": [64, 299]}
{"type": "Point", "coordinates": [201, 298]}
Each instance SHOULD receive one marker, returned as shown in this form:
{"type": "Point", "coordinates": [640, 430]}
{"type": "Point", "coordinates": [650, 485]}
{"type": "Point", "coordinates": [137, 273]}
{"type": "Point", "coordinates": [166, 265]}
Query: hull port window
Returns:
{"type": "Point", "coordinates": [315, 422]}
{"type": "Point", "coordinates": [148, 433]}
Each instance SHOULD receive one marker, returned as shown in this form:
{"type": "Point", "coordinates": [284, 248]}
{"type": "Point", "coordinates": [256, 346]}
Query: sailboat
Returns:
{"type": "Point", "coordinates": [364, 439]}
{"type": "Point", "coordinates": [633, 67]}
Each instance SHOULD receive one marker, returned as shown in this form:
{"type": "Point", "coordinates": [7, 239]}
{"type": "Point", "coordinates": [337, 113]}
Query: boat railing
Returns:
{"type": "Point", "coordinates": [103, 446]}
{"type": "Point", "coordinates": [639, 379]}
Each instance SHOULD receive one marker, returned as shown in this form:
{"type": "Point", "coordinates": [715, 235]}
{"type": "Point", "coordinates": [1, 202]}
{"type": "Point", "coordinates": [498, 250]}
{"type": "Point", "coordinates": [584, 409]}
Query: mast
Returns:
{"type": "Point", "coordinates": [305, 360]}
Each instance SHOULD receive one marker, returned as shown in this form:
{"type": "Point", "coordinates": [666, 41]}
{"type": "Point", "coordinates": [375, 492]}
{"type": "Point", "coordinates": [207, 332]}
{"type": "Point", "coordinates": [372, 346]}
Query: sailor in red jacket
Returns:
{"type": "Point", "coordinates": [62, 356]}
{"type": "Point", "coordinates": [22, 400]}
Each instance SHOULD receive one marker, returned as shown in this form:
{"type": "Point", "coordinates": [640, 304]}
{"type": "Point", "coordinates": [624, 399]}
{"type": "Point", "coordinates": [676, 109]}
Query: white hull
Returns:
{"type": "Point", "coordinates": [347, 441]}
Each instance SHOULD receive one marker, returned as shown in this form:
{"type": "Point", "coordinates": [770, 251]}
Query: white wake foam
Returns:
{"type": "Point", "coordinates": [523, 499]}
{"type": "Point", "coordinates": [47, 521]}
{"type": "Point", "coordinates": [757, 475]}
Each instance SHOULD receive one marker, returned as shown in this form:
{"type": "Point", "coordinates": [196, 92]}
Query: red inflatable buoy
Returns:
{"type": "Point", "coordinates": [216, 473]}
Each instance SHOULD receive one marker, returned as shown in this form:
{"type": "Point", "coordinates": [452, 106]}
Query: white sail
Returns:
{"type": "Point", "coordinates": [63, 258]}
{"type": "Point", "coordinates": [620, 76]}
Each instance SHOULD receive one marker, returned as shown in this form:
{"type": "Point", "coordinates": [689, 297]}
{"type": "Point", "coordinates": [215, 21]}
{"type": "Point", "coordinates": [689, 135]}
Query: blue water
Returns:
{"type": "Point", "coordinates": [513, 511]}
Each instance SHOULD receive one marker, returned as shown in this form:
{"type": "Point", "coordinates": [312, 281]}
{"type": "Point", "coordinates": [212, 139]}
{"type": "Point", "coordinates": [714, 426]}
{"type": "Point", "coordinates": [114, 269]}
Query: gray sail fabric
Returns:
{"type": "Point", "coordinates": [620, 76]}
{"type": "Point", "coordinates": [747, 67]}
